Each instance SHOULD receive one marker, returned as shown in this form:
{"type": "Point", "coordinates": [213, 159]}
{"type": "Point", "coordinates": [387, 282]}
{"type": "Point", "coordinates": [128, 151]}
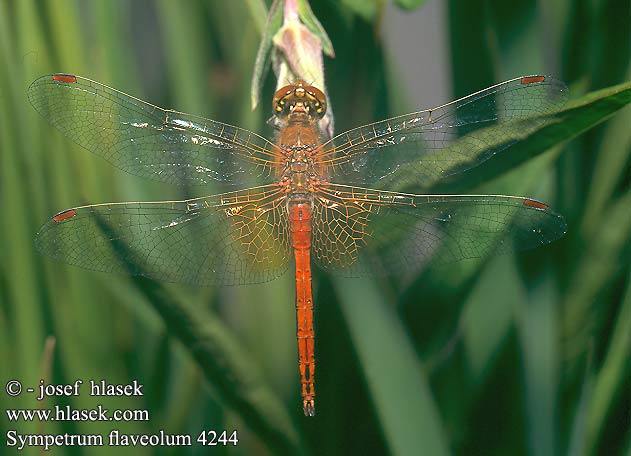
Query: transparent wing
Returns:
{"type": "Point", "coordinates": [229, 239]}
{"type": "Point", "coordinates": [442, 141]}
{"type": "Point", "coordinates": [363, 232]}
{"type": "Point", "coordinates": [146, 140]}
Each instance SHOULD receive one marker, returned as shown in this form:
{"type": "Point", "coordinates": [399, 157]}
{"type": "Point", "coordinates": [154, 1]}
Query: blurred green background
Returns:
{"type": "Point", "coordinates": [523, 354]}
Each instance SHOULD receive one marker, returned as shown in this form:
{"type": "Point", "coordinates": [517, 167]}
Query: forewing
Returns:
{"type": "Point", "coordinates": [439, 142]}
{"type": "Point", "coordinates": [362, 232]}
{"type": "Point", "coordinates": [233, 238]}
{"type": "Point", "coordinates": [148, 141]}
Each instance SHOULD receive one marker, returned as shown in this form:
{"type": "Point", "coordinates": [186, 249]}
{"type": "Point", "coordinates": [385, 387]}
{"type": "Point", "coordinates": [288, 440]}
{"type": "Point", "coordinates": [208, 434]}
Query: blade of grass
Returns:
{"type": "Point", "coordinates": [613, 374]}
{"type": "Point", "coordinates": [453, 282]}
{"type": "Point", "coordinates": [16, 248]}
{"type": "Point", "coordinates": [228, 369]}
{"type": "Point", "coordinates": [481, 335]}
{"type": "Point", "coordinates": [538, 333]}
{"type": "Point", "coordinates": [226, 365]}
{"type": "Point", "coordinates": [272, 25]}
{"type": "Point", "coordinates": [472, 62]}
{"type": "Point", "coordinates": [403, 403]}
{"type": "Point", "coordinates": [116, 68]}
{"type": "Point", "coordinates": [604, 252]}
{"type": "Point", "coordinates": [557, 127]}
{"type": "Point", "coordinates": [576, 444]}
{"type": "Point", "coordinates": [612, 22]}
{"type": "Point", "coordinates": [68, 296]}
{"type": "Point", "coordinates": [45, 372]}
{"type": "Point", "coordinates": [366, 9]}
{"type": "Point", "coordinates": [185, 44]}
{"type": "Point", "coordinates": [66, 26]}
{"type": "Point", "coordinates": [258, 13]}
{"type": "Point", "coordinates": [410, 4]}
{"type": "Point", "coordinates": [610, 167]}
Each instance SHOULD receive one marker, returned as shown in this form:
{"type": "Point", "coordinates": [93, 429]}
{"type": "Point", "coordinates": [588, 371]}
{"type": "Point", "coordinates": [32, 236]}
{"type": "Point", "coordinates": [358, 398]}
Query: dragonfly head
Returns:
{"type": "Point", "coordinates": [299, 101]}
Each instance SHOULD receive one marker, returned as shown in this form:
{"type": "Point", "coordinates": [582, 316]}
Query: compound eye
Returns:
{"type": "Point", "coordinates": [280, 105]}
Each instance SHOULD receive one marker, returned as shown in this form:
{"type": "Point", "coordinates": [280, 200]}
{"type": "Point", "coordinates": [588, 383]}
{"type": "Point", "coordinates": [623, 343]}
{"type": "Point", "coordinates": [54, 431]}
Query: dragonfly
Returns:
{"type": "Point", "coordinates": [314, 200]}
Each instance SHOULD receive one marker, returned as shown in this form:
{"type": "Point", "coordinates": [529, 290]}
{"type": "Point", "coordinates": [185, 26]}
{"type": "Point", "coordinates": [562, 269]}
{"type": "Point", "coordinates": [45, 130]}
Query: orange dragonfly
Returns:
{"type": "Point", "coordinates": [305, 204]}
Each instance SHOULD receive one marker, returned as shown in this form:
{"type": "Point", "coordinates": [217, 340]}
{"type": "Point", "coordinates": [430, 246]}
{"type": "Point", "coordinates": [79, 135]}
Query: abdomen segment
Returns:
{"type": "Point", "coordinates": [300, 219]}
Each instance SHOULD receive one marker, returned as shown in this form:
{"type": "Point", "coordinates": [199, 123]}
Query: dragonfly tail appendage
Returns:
{"type": "Point", "coordinates": [300, 219]}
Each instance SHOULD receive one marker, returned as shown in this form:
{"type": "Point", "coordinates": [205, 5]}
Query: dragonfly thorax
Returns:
{"type": "Point", "coordinates": [299, 170]}
{"type": "Point", "coordinates": [299, 163]}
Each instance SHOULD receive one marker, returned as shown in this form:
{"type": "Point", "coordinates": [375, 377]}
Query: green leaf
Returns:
{"type": "Point", "coordinates": [367, 9]}
{"type": "Point", "coordinates": [536, 134]}
{"type": "Point", "coordinates": [604, 252]}
{"type": "Point", "coordinates": [613, 375]}
{"type": "Point", "coordinates": [227, 367]}
{"type": "Point", "coordinates": [409, 4]}
{"type": "Point", "coordinates": [258, 12]}
{"type": "Point", "coordinates": [224, 362]}
{"type": "Point", "coordinates": [273, 24]}
{"type": "Point", "coordinates": [609, 168]}
{"type": "Point", "coordinates": [472, 61]}
{"type": "Point", "coordinates": [396, 380]}
{"type": "Point", "coordinates": [313, 24]}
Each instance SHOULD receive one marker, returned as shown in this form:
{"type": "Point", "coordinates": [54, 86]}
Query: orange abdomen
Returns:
{"type": "Point", "coordinates": [300, 222]}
